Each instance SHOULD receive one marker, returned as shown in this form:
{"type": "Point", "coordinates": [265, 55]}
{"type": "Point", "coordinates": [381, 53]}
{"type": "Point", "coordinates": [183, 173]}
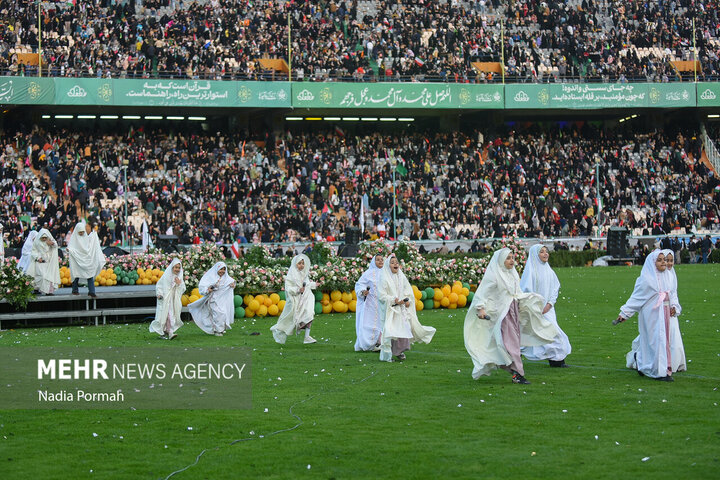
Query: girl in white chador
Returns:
{"type": "Point", "coordinates": [502, 319]}
{"type": "Point", "coordinates": [299, 310]}
{"type": "Point", "coordinates": [651, 353]}
{"type": "Point", "coordinates": [370, 313]}
{"type": "Point", "coordinates": [24, 262]}
{"type": "Point", "coordinates": [86, 257]}
{"type": "Point", "coordinates": [677, 350]}
{"type": "Point", "coordinates": [214, 313]}
{"type": "Point", "coordinates": [401, 326]}
{"type": "Point", "coordinates": [2, 243]}
{"type": "Point", "coordinates": [539, 278]}
{"type": "Point", "coordinates": [169, 291]}
{"type": "Point", "coordinates": [44, 265]}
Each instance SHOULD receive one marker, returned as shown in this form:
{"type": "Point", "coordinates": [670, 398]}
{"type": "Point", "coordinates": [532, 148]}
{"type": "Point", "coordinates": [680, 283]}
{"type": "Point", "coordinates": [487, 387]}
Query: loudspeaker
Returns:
{"type": "Point", "coordinates": [348, 251]}
{"type": "Point", "coordinates": [617, 243]}
{"type": "Point", "coordinates": [107, 251]}
{"type": "Point", "coordinates": [168, 243]}
{"type": "Point", "coordinates": [352, 236]}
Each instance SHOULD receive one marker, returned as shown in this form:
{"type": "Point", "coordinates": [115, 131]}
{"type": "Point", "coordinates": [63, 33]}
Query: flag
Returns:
{"type": "Point", "coordinates": [561, 188]}
{"type": "Point", "coordinates": [419, 61]}
{"type": "Point", "coordinates": [400, 168]}
{"type": "Point", "coordinates": [555, 213]}
{"type": "Point", "coordinates": [339, 131]}
{"type": "Point", "coordinates": [362, 216]}
{"type": "Point", "coordinates": [66, 189]}
{"type": "Point", "coordinates": [235, 249]}
{"type": "Point", "coordinates": [599, 204]}
{"type": "Point", "coordinates": [146, 241]}
{"type": "Point", "coordinates": [488, 186]}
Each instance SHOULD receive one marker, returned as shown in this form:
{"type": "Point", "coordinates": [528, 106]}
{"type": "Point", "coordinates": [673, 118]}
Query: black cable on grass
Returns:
{"type": "Point", "coordinates": [297, 417]}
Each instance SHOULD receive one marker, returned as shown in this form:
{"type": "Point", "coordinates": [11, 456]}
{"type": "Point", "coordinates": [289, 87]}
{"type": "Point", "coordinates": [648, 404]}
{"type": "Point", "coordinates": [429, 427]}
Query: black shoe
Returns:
{"type": "Point", "coordinates": [401, 357]}
{"type": "Point", "coordinates": [76, 293]}
{"type": "Point", "coordinates": [641, 373]}
{"type": "Point", "coordinates": [92, 295]}
{"type": "Point", "coordinates": [558, 364]}
{"type": "Point", "coordinates": [665, 379]}
{"type": "Point", "coordinates": [517, 378]}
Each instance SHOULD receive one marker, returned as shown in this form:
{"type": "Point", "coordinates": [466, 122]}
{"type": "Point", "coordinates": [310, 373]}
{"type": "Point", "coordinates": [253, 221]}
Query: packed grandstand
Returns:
{"type": "Point", "coordinates": [268, 180]}
{"type": "Point", "coordinates": [538, 40]}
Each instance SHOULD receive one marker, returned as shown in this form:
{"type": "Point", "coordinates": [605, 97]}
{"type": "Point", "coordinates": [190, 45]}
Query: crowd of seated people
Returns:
{"type": "Point", "coordinates": [305, 185]}
{"type": "Point", "coordinates": [393, 40]}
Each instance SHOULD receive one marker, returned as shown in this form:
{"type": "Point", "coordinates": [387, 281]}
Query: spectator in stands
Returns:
{"type": "Point", "coordinates": [705, 248]}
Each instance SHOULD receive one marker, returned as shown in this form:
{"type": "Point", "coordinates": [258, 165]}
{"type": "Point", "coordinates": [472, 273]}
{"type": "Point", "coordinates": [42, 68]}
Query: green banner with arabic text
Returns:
{"type": "Point", "coordinates": [27, 91]}
{"type": "Point", "coordinates": [396, 95]}
{"type": "Point", "coordinates": [351, 96]}
{"type": "Point", "coordinates": [588, 96]}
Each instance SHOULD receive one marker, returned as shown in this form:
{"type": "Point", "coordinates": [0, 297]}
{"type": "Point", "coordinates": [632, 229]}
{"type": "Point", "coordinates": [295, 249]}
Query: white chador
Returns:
{"type": "Point", "coordinates": [86, 256]}
{"type": "Point", "coordinates": [24, 262]}
{"type": "Point", "coordinates": [677, 350]}
{"type": "Point", "coordinates": [370, 313]}
{"type": "Point", "coordinates": [214, 313]}
{"type": "Point", "coordinates": [538, 277]}
{"type": "Point", "coordinates": [2, 242]}
{"type": "Point", "coordinates": [499, 287]}
{"type": "Point", "coordinates": [44, 266]}
{"type": "Point", "coordinates": [401, 322]}
{"type": "Point", "coordinates": [299, 310]}
{"type": "Point", "coordinates": [651, 299]}
{"type": "Point", "coordinates": [668, 281]}
{"type": "Point", "coordinates": [169, 291]}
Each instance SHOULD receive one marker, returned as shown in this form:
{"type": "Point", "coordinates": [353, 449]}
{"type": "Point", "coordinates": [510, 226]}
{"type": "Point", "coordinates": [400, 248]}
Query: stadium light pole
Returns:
{"type": "Point", "coordinates": [694, 48]}
{"type": "Point", "coordinates": [502, 49]}
{"type": "Point", "coordinates": [39, 38]}
{"type": "Point", "coordinates": [287, 9]}
{"type": "Point", "coordinates": [125, 167]}
{"type": "Point", "coordinates": [394, 166]}
{"type": "Point", "coordinates": [597, 189]}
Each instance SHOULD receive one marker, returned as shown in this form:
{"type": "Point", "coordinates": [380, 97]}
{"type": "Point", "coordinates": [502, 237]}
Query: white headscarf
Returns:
{"type": "Point", "coordinates": [40, 249]}
{"type": "Point", "coordinates": [372, 272]}
{"type": "Point", "coordinates": [166, 282]}
{"type": "Point", "coordinates": [86, 257]}
{"type": "Point", "coordinates": [649, 275]}
{"type": "Point", "coordinates": [211, 278]}
{"type": "Point", "coordinates": [26, 251]}
{"type": "Point", "coordinates": [298, 277]}
{"type": "Point", "coordinates": [498, 286]}
{"type": "Point", "coordinates": [649, 284]}
{"type": "Point", "coordinates": [397, 284]}
{"type": "Point", "coordinates": [538, 277]}
{"type": "Point", "coordinates": [670, 276]}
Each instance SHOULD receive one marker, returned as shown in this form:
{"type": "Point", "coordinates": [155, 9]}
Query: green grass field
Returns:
{"type": "Point", "coordinates": [425, 418]}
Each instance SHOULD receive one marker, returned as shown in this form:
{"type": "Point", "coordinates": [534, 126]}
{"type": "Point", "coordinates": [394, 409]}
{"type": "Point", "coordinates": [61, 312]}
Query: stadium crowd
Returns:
{"type": "Point", "coordinates": [307, 185]}
{"type": "Point", "coordinates": [427, 40]}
